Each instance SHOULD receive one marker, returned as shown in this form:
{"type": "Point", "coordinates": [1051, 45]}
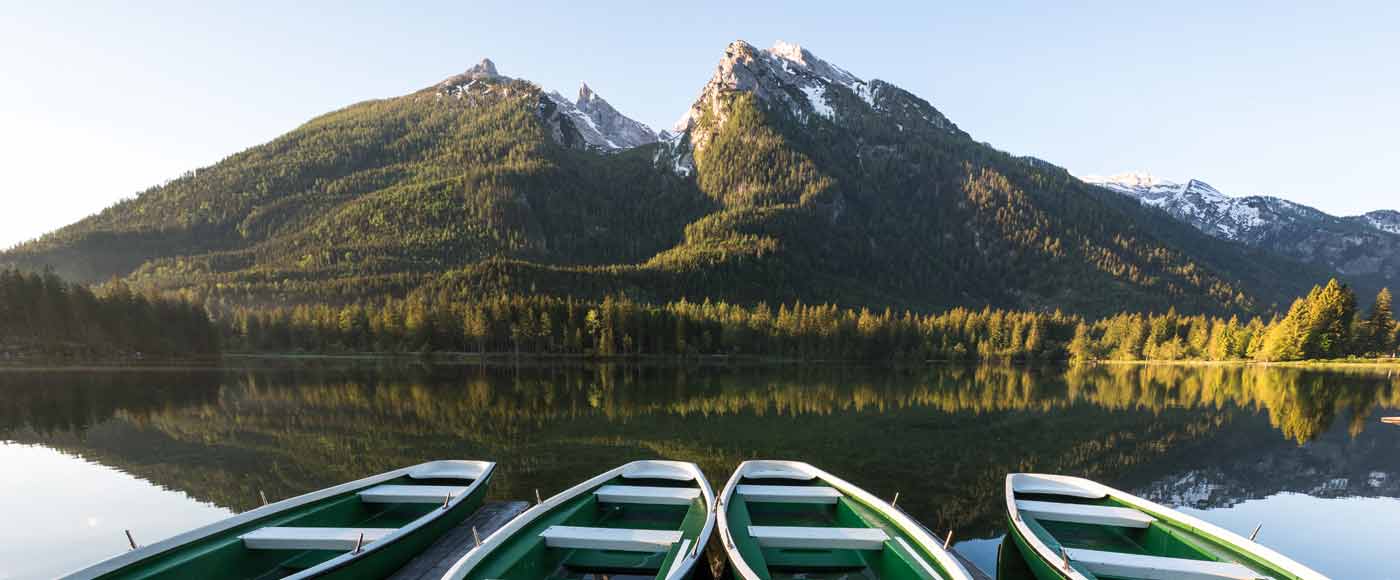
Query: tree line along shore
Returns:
{"type": "Point", "coordinates": [41, 314]}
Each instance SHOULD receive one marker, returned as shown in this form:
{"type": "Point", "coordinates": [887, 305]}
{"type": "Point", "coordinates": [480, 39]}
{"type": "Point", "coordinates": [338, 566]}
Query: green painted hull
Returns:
{"type": "Point", "coordinates": [520, 553]}
{"type": "Point", "coordinates": [1041, 569]}
{"type": "Point", "coordinates": [1175, 538]}
{"type": "Point", "coordinates": [222, 554]}
{"type": "Point", "coordinates": [905, 555]}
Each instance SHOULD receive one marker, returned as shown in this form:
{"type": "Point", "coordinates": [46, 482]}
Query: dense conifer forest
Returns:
{"type": "Point", "coordinates": [1323, 325]}
{"type": "Point", "coordinates": [43, 316]}
{"type": "Point", "coordinates": [40, 314]}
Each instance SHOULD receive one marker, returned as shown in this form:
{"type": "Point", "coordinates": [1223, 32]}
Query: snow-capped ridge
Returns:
{"type": "Point", "coordinates": [600, 125]}
{"type": "Point", "coordinates": [792, 78]}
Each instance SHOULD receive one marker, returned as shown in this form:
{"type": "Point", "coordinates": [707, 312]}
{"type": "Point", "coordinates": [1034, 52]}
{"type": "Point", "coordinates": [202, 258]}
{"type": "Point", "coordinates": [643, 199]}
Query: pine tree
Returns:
{"type": "Point", "coordinates": [1380, 325]}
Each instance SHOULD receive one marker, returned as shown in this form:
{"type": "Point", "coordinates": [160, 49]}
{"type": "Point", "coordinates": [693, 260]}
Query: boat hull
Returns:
{"type": "Point", "coordinates": [1041, 569]}
{"type": "Point", "coordinates": [409, 526]}
{"type": "Point", "coordinates": [643, 519]}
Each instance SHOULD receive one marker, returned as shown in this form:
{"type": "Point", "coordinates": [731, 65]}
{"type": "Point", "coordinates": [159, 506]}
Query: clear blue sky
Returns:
{"type": "Point", "coordinates": [101, 100]}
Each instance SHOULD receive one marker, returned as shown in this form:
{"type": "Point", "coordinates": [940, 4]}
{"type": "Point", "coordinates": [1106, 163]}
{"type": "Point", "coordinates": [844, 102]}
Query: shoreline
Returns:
{"type": "Point", "coordinates": [497, 358]}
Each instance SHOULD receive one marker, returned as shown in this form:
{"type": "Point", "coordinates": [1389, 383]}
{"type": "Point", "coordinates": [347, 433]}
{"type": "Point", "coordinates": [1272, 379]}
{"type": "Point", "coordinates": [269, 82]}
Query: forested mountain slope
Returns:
{"type": "Point", "coordinates": [790, 179]}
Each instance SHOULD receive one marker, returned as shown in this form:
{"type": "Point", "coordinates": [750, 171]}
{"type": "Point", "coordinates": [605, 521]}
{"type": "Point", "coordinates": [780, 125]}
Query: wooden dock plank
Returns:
{"type": "Point", "coordinates": [435, 561]}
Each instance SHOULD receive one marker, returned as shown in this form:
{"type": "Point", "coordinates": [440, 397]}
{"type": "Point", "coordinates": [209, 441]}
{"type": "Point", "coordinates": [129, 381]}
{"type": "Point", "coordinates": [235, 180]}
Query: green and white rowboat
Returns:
{"type": "Point", "coordinates": [362, 529]}
{"type": "Point", "coordinates": [1076, 529]}
{"type": "Point", "coordinates": [645, 519]}
{"type": "Point", "coordinates": [788, 520]}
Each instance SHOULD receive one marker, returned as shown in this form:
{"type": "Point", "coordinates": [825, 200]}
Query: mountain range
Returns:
{"type": "Point", "coordinates": [1363, 248]}
{"type": "Point", "coordinates": [788, 179]}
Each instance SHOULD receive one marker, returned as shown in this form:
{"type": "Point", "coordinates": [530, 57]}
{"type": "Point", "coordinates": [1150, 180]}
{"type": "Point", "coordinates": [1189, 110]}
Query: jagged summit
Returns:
{"type": "Point", "coordinates": [484, 70]}
{"type": "Point", "coordinates": [792, 78]}
{"type": "Point", "coordinates": [600, 125]}
{"type": "Point", "coordinates": [589, 122]}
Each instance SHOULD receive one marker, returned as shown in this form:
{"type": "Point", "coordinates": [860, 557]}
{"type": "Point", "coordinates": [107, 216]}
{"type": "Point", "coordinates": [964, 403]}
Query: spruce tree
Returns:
{"type": "Point", "coordinates": [1380, 325]}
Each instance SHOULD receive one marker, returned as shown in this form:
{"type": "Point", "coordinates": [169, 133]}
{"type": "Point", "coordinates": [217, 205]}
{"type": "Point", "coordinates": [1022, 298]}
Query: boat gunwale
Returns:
{"type": "Point", "coordinates": [1211, 532]}
{"type": "Point", "coordinates": [505, 533]}
{"type": "Point", "coordinates": [120, 561]}
{"type": "Point", "coordinates": [953, 569]}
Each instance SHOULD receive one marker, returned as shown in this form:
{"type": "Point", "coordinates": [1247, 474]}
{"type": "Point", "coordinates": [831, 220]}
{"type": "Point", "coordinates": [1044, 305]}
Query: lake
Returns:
{"type": "Point", "coordinates": [87, 454]}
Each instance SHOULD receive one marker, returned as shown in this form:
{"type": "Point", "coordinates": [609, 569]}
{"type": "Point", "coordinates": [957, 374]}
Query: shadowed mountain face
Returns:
{"type": "Point", "coordinates": [222, 436]}
{"type": "Point", "coordinates": [789, 179]}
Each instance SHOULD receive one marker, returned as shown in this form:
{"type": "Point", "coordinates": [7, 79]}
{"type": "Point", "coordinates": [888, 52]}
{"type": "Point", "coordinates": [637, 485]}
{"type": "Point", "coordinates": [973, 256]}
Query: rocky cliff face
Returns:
{"type": "Point", "coordinates": [791, 78]}
{"type": "Point", "coordinates": [586, 123]}
{"type": "Point", "coordinates": [1366, 247]}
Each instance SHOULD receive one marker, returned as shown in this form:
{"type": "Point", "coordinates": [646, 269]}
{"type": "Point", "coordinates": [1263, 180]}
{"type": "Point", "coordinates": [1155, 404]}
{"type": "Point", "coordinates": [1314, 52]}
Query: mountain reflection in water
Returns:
{"type": "Point", "coordinates": [943, 437]}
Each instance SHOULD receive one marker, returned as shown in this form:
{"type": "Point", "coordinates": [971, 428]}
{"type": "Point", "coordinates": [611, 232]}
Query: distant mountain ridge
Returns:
{"type": "Point", "coordinates": [1366, 247]}
{"type": "Point", "coordinates": [789, 179]}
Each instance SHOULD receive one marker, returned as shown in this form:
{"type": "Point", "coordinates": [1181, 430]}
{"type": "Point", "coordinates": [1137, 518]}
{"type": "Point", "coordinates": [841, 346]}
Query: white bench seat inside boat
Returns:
{"type": "Point", "coordinates": [1026, 483]}
{"type": "Point", "coordinates": [292, 538]}
{"type": "Point", "coordinates": [789, 493]}
{"type": "Point", "coordinates": [450, 469]}
{"type": "Point", "coordinates": [815, 538]}
{"type": "Point", "coordinates": [641, 494]}
{"type": "Point", "coordinates": [1157, 567]}
{"type": "Point", "coordinates": [411, 493]}
{"type": "Point", "coordinates": [627, 540]}
{"type": "Point", "coordinates": [658, 470]}
{"type": "Point", "coordinates": [1084, 514]}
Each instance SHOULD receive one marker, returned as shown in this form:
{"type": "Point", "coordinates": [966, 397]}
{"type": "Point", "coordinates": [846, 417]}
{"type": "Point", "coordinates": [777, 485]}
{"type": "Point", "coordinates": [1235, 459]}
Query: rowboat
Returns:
{"type": "Point", "coordinates": [1072, 528]}
{"type": "Point", "coordinates": [786, 519]}
{"type": "Point", "coordinates": [645, 519]}
{"type": "Point", "coordinates": [363, 529]}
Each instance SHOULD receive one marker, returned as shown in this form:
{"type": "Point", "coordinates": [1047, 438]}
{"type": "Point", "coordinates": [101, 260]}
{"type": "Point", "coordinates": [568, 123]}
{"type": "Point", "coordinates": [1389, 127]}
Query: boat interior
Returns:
{"type": "Point", "coordinates": [304, 536]}
{"type": "Point", "coordinates": [638, 525]}
{"type": "Point", "coordinates": [1106, 539]}
{"type": "Point", "coordinates": [788, 524]}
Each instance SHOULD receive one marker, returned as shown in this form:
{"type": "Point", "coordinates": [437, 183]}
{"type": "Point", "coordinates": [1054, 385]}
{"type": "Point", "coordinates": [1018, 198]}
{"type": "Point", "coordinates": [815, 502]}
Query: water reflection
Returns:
{"type": "Point", "coordinates": [1203, 436]}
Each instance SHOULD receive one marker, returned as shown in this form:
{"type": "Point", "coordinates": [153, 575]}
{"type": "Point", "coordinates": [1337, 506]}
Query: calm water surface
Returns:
{"type": "Point", "coordinates": [85, 455]}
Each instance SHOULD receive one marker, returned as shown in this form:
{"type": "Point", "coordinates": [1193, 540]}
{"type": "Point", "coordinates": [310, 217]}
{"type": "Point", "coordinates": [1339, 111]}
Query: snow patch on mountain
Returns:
{"type": "Point", "coordinates": [1195, 202]}
{"type": "Point", "coordinates": [598, 124]}
{"type": "Point", "coordinates": [601, 126]}
{"type": "Point", "coordinates": [1384, 220]}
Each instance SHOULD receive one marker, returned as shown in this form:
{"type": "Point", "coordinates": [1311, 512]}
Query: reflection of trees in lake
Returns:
{"type": "Point", "coordinates": [942, 436]}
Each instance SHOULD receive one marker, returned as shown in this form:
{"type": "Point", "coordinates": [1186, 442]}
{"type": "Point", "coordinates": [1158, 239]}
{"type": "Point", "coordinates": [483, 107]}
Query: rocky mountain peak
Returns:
{"type": "Point", "coordinates": [483, 69]}
{"type": "Point", "coordinates": [585, 94]}
{"type": "Point", "coordinates": [600, 126]}
{"type": "Point", "coordinates": [457, 85]}
{"type": "Point", "coordinates": [788, 77]}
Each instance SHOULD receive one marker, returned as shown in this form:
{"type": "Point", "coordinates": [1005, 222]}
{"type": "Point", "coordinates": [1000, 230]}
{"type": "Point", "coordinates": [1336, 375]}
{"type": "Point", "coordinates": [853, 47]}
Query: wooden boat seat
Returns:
{"type": "Point", "coordinates": [641, 494]}
{"type": "Point", "coordinates": [789, 493]}
{"type": "Point", "coordinates": [1157, 567]}
{"type": "Point", "coordinates": [627, 540]}
{"type": "Point", "coordinates": [1026, 483]}
{"type": "Point", "coordinates": [814, 538]}
{"type": "Point", "coordinates": [291, 538]}
{"type": "Point", "coordinates": [411, 493]}
{"type": "Point", "coordinates": [1084, 514]}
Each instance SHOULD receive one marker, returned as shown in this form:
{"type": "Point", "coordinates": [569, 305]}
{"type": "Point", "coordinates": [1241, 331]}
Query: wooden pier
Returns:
{"type": "Point", "coordinates": [434, 562]}
{"type": "Point", "coordinates": [438, 558]}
